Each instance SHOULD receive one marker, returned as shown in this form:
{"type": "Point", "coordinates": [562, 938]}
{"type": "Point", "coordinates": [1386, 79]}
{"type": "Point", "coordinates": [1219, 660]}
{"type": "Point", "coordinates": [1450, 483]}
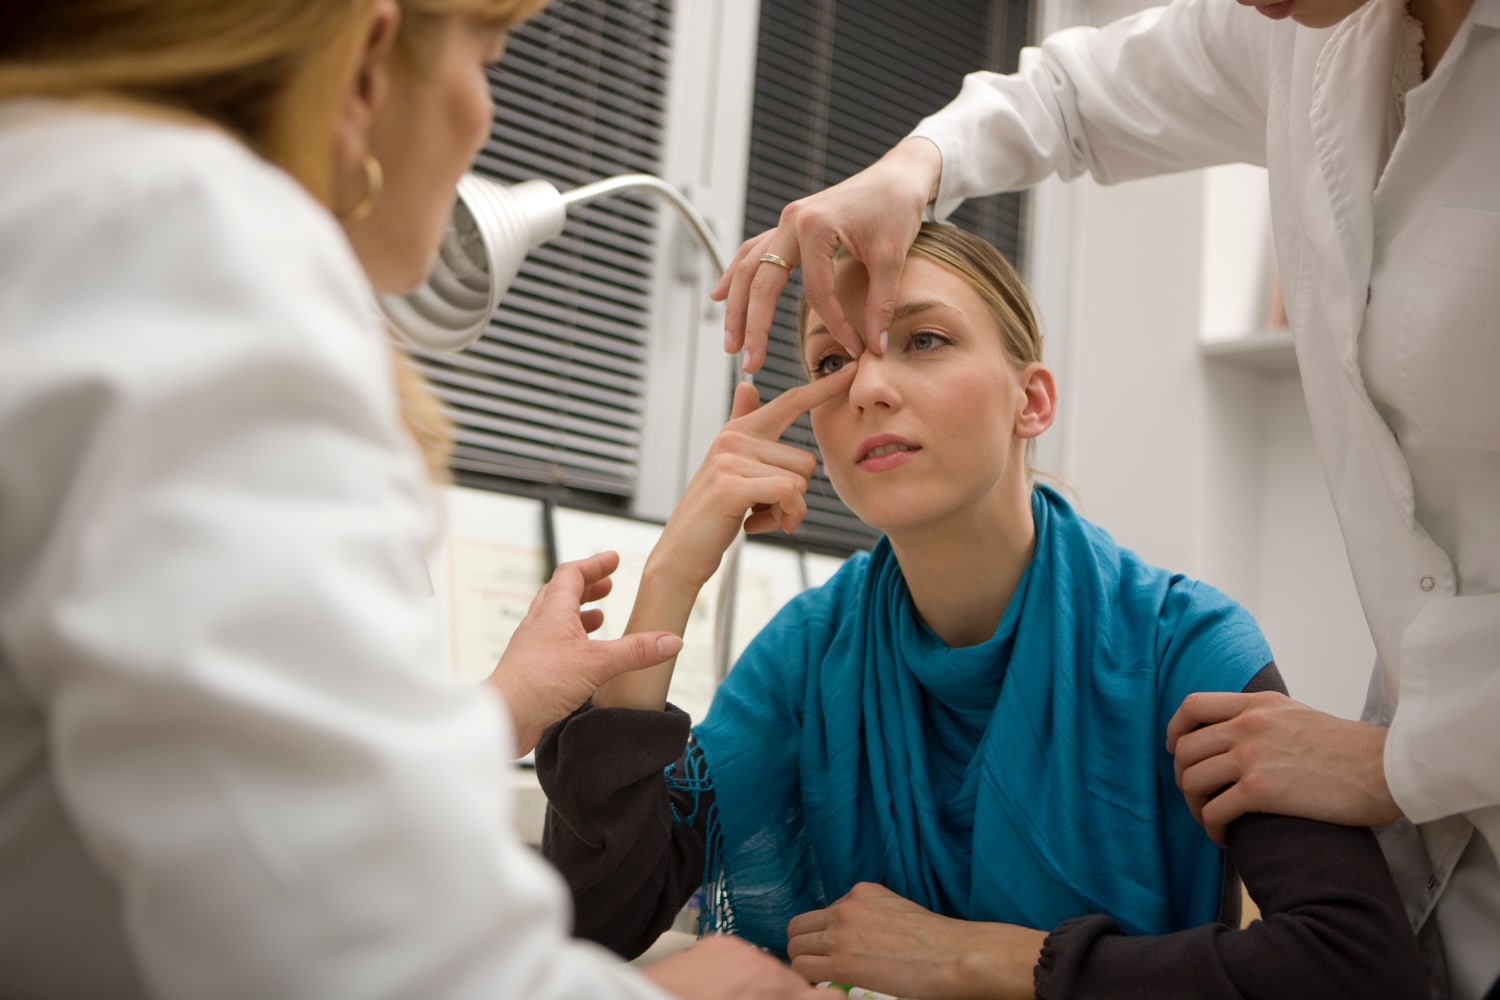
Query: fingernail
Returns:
{"type": "Point", "coordinates": [668, 646]}
{"type": "Point", "coordinates": [885, 339]}
{"type": "Point", "coordinates": [728, 341]}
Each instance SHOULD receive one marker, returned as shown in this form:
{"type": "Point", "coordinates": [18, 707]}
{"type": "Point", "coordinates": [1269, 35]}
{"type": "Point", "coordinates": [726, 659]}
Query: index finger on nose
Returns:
{"type": "Point", "coordinates": [773, 418]}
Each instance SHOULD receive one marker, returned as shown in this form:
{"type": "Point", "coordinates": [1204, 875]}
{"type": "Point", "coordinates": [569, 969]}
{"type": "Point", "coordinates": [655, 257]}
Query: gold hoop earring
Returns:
{"type": "Point", "coordinates": [374, 183]}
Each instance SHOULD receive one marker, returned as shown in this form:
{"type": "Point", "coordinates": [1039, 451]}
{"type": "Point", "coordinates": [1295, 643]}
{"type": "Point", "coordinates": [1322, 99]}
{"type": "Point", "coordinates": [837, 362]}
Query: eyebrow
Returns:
{"type": "Point", "coordinates": [902, 312]}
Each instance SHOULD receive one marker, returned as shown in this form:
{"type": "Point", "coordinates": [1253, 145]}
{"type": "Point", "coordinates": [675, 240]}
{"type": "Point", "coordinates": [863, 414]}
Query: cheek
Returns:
{"type": "Point", "coordinates": [821, 419]}
{"type": "Point", "coordinates": [834, 440]}
{"type": "Point", "coordinates": [475, 113]}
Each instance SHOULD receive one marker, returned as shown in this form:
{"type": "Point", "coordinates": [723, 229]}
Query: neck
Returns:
{"type": "Point", "coordinates": [963, 571]}
{"type": "Point", "coordinates": [1440, 20]}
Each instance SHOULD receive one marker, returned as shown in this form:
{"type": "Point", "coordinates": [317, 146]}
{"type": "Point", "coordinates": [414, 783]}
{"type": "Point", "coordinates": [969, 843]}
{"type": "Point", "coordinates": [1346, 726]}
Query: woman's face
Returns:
{"type": "Point", "coordinates": [929, 430]}
{"type": "Point", "coordinates": [426, 133]}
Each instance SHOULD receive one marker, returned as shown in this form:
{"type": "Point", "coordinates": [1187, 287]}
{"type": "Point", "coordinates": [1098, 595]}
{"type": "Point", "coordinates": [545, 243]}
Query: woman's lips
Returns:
{"type": "Point", "coordinates": [887, 455]}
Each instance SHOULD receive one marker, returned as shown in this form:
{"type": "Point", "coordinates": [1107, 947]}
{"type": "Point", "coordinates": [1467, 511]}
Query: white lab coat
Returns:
{"type": "Point", "coordinates": [227, 767]}
{"type": "Point", "coordinates": [1411, 269]}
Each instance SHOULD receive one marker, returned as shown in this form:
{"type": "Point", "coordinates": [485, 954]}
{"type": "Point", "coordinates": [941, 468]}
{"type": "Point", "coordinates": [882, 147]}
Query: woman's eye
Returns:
{"type": "Point", "coordinates": [828, 364]}
{"type": "Point", "coordinates": [926, 340]}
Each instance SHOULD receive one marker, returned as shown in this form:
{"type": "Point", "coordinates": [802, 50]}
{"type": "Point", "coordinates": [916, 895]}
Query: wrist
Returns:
{"type": "Point", "coordinates": [920, 159]}
{"type": "Point", "coordinates": [677, 576]}
{"type": "Point", "coordinates": [1000, 962]}
{"type": "Point", "coordinates": [1384, 806]}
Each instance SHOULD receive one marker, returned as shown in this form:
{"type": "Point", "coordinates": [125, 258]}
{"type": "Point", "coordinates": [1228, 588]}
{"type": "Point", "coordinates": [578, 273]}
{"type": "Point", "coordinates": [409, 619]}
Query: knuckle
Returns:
{"type": "Point", "coordinates": [1257, 721]}
{"type": "Point", "coordinates": [1255, 786]}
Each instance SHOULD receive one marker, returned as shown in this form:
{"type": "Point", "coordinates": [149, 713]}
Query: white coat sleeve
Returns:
{"type": "Point", "coordinates": [229, 629]}
{"type": "Point", "coordinates": [1168, 89]}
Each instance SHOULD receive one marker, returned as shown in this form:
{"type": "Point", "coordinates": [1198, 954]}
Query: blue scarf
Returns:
{"type": "Point", "coordinates": [1023, 780]}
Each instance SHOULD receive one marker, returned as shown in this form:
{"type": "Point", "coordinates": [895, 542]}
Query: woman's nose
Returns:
{"type": "Point", "coordinates": [874, 382]}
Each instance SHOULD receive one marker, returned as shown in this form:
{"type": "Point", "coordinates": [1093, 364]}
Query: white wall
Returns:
{"type": "Point", "coordinates": [1194, 463]}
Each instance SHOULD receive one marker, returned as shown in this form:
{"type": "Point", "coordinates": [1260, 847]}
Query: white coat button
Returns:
{"type": "Point", "coordinates": [1427, 583]}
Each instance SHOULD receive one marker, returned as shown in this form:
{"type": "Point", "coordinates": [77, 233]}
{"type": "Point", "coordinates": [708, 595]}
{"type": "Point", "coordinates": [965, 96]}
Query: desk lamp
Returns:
{"type": "Point", "coordinates": [492, 229]}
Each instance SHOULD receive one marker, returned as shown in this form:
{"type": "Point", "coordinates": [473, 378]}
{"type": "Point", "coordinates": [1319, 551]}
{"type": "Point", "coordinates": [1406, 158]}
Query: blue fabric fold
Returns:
{"type": "Point", "coordinates": [1022, 780]}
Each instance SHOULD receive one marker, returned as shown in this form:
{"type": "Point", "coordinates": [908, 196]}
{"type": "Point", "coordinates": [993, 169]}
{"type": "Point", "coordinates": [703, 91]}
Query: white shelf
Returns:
{"type": "Point", "coordinates": [1268, 351]}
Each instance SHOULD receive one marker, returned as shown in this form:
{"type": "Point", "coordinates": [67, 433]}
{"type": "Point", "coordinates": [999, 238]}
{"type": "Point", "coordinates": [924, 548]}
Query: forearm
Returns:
{"type": "Point", "coordinates": [664, 603]}
{"type": "Point", "coordinates": [1158, 92]}
{"type": "Point", "coordinates": [1331, 925]}
{"type": "Point", "coordinates": [609, 827]}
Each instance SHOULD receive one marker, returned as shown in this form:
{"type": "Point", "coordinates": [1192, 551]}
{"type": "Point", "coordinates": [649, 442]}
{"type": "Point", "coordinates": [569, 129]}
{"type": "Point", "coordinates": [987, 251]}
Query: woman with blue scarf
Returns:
{"type": "Point", "coordinates": [944, 773]}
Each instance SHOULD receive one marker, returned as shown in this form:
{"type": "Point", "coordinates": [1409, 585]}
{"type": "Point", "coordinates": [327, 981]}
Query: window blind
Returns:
{"type": "Point", "coordinates": [838, 82]}
{"type": "Point", "coordinates": [552, 395]}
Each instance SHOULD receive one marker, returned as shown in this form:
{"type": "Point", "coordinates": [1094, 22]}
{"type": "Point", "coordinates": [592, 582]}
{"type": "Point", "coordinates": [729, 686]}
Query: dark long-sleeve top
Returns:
{"type": "Point", "coordinates": [1331, 923]}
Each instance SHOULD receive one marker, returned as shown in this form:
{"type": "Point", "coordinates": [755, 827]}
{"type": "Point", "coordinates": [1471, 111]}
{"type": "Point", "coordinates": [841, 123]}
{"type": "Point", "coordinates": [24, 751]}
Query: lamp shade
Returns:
{"type": "Point", "coordinates": [492, 229]}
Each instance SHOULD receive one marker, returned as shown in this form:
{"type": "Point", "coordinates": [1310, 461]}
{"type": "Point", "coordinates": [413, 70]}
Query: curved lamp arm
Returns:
{"type": "Point", "coordinates": [492, 229]}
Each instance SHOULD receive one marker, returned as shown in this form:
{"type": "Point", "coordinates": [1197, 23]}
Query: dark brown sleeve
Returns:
{"type": "Point", "coordinates": [609, 827]}
{"type": "Point", "coordinates": [1331, 926]}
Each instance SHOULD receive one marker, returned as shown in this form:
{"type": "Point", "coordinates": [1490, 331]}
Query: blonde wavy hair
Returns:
{"type": "Point", "coordinates": [270, 72]}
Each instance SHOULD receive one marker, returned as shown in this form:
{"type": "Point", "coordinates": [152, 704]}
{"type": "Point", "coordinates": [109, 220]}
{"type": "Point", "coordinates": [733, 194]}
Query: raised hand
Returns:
{"type": "Point", "coordinates": [1263, 752]}
{"type": "Point", "coordinates": [747, 471]}
{"type": "Point", "coordinates": [727, 968]}
{"type": "Point", "coordinates": [873, 215]}
{"type": "Point", "coordinates": [551, 666]}
{"type": "Point", "coordinates": [878, 940]}
{"type": "Point", "coordinates": [748, 478]}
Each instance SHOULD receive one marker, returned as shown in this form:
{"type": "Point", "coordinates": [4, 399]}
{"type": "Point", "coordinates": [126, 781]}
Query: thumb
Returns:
{"type": "Point", "coordinates": [880, 299]}
{"type": "Point", "coordinates": [635, 651]}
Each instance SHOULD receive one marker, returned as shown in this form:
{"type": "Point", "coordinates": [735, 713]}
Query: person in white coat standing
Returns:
{"type": "Point", "coordinates": [1378, 123]}
{"type": "Point", "coordinates": [229, 764]}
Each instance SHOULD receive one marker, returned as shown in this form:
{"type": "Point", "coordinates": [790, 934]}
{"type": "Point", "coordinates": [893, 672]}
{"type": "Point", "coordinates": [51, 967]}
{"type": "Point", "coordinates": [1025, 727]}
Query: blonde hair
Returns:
{"type": "Point", "coordinates": [269, 72]}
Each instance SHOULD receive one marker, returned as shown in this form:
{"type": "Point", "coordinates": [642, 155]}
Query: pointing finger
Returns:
{"type": "Point", "coordinates": [773, 419]}
{"type": "Point", "coordinates": [746, 400]}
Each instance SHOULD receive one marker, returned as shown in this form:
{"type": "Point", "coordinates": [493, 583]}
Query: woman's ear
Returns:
{"type": "Point", "coordinates": [367, 90]}
{"type": "Point", "coordinates": [1040, 390]}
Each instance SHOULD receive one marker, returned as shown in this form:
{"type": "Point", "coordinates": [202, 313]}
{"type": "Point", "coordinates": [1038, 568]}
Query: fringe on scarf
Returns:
{"type": "Point", "coordinates": [690, 776]}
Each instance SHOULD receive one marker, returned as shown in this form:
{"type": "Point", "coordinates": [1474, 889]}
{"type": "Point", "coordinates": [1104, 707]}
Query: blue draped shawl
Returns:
{"type": "Point", "coordinates": [1022, 780]}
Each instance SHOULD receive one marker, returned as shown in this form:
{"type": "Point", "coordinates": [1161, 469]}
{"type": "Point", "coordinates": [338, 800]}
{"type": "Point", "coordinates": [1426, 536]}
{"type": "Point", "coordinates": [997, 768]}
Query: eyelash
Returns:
{"type": "Point", "coordinates": [938, 340]}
